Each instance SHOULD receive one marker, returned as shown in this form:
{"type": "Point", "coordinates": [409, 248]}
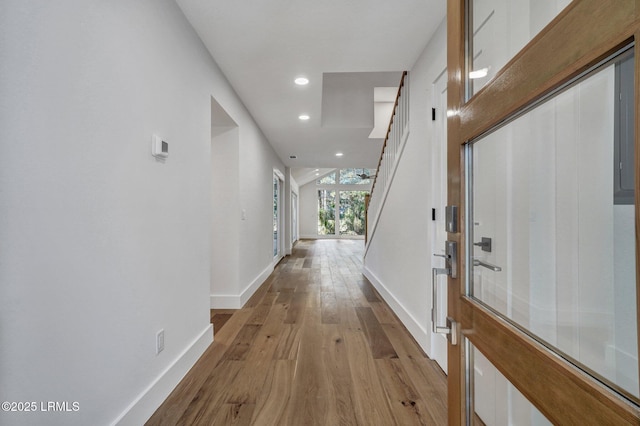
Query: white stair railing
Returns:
{"type": "Point", "coordinates": [394, 141]}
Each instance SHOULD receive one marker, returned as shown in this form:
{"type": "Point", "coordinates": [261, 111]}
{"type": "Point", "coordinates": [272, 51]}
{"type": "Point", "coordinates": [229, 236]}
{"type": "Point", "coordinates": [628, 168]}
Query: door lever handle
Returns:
{"type": "Point", "coordinates": [451, 328]}
{"type": "Point", "coordinates": [478, 262]}
{"type": "Point", "coordinates": [434, 300]}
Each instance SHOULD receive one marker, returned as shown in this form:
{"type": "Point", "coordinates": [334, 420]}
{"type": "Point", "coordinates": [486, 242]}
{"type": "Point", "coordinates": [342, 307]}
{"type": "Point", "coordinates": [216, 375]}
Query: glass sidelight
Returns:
{"type": "Point", "coordinates": [276, 215]}
{"type": "Point", "coordinates": [326, 212]}
{"type": "Point", "coordinates": [352, 212]}
{"type": "Point", "coordinates": [551, 248]}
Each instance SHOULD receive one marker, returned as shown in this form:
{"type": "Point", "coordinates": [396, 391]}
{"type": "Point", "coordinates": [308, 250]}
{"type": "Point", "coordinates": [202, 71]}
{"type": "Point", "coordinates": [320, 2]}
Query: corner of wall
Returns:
{"type": "Point", "coordinates": [237, 301]}
{"type": "Point", "coordinates": [256, 283]}
{"type": "Point", "coordinates": [224, 301]}
{"type": "Point", "coordinates": [413, 326]}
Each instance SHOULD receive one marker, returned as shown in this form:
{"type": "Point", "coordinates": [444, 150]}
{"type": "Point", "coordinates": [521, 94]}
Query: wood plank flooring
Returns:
{"type": "Point", "coordinates": [315, 345]}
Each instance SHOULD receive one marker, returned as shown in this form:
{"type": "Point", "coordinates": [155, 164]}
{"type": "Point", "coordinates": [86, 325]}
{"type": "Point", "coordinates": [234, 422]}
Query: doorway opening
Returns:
{"type": "Point", "coordinates": [225, 204]}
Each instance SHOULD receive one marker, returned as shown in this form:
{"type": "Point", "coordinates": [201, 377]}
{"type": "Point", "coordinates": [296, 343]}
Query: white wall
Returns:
{"type": "Point", "coordinates": [399, 257]}
{"type": "Point", "coordinates": [242, 252]}
{"type": "Point", "coordinates": [258, 160]}
{"type": "Point", "coordinates": [308, 212]}
{"type": "Point", "coordinates": [101, 245]}
{"type": "Point", "coordinates": [225, 226]}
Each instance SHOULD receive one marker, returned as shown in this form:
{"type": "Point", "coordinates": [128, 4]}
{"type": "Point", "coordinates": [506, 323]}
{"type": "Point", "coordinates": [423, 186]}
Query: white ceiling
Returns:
{"type": "Point", "coordinates": [344, 47]}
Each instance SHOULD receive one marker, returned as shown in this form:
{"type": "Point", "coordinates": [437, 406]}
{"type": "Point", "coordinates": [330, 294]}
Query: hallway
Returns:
{"type": "Point", "coordinates": [315, 345]}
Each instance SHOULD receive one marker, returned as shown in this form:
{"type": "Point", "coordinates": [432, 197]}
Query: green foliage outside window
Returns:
{"type": "Point", "coordinates": [355, 176]}
{"type": "Point", "coordinates": [352, 212]}
{"type": "Point", "coordinates": [329, 179]}
{"type": "Point", "coordinates": [326, 212]}
{"type": "Point", "coordinates": [350, 203]}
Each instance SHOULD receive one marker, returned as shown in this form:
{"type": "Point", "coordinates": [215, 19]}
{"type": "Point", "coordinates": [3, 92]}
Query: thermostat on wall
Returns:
{"type": "Point", "coordinates": [159, 148]}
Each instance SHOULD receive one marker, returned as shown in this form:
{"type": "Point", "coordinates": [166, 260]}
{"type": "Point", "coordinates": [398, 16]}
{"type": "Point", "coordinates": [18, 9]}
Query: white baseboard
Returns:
{"type": "Point", "coordinates": [233, 301]}
{"type": "Point", "coordinates": [224, 301]}
{"type": "Point", "coordinates": [415, 329]}
{"type": "Point", "coordinates": [257, 282]}
{"type": "Point", "coordinates": [148, 401]}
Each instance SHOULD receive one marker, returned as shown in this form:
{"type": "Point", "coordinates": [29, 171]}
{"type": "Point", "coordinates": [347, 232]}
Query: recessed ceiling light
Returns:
{"type": "Point", "coordinates": [339, 154]}
{"type": "Point", "coordinates": [317, 174]}
{"type": "Point", "coordinates": [301, 81]}
{"type": "Point", "coordinates": [303, 117]}
{"type": "Point", "coordinates": [316, 170]}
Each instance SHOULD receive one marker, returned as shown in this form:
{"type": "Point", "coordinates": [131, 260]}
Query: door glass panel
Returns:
{"type": "Point", "coordinates": [496, 402]}
{"type": "Point", "coordinates": [326, 212]}
{"type": "Point", "coordinates": [352, 212]}
{"type": "Point", "coordinates": [553, 251]}
{"type": "Point", "coordinates": [276, 190]}
{"type": "Point", "coordinates": [501, 28]}
{"type": "Point", "coordinates": [294, 217]}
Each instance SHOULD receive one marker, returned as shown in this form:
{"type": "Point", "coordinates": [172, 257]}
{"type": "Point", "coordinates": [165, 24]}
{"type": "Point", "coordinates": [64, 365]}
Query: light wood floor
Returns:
{"type": "Point", "coordinates": [315, 345]}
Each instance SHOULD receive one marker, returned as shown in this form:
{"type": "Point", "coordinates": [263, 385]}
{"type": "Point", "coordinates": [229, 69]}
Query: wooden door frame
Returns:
{"type": "Point", "coordinates": [586, 32]}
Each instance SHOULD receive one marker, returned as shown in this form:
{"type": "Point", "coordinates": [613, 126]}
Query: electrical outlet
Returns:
{"type": "Point", "coordinates": [159, 341]}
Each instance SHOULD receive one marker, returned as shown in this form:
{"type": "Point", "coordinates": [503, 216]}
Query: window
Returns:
{"type": "Point", "coordinates": [361, 176]}
{"type": "Point", "coordinates": [346, 190]}
{"type": "Point", "coordinates": [356, 176]}
{"type": "Point", "coordinates": [329, 179]}
{"type": "Point", "coordinates": [326, 212]}
{"type": "Point", "coordinates": [352, 212]}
